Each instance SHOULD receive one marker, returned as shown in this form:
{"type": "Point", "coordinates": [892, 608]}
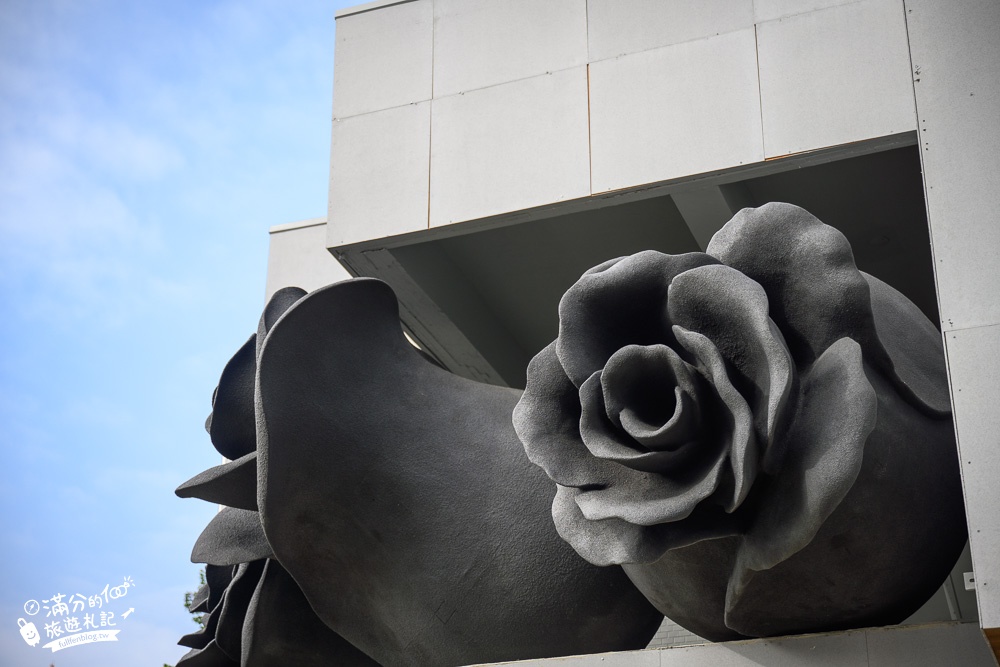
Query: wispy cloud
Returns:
{"type": "Point", "coordinates": [145, 148]}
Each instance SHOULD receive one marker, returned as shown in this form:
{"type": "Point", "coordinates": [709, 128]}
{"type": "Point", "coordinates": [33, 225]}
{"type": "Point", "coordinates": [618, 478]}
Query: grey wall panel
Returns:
{"type": "Point", "coordinates": [297, 257]}
{"type": "Point", "coordinates": [378, 174]}
{"type": "Point", "coordinates": [617, 27]}
{"type": "Point", "coordinates": [768, 10]}
{"type": "Point", "coordinates": [956, 49]}
{"type": "Point", "coordinates": [915, 646]}
{"type": "Point", "coordinates": [480, 43]}
{"type": "Point", "coordinates": [845, 648]}
{"type": "Point", "coordinates": [678, 110]}
{"type": "Point", "coordinates": [975, 373]}
{"type": "Point", "coordinates": [383, 58]}
{"type": "Point", "coordinates": [928, 646]}
{"type": "Point", "coordinates": [509, 147]}
{"type": "Point", "coordinates": [956, 60]}
{"type": "Point", "coordinates": [367, 7]}
{"type": "Point", "coordinates": [649, 658]}
{"type": "Point", "coordinates": [834, 76]}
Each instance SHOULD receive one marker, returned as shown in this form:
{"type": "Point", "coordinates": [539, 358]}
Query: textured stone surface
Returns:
{"type": "Point", "coordinates": [254, 613]}
{"type": "Point", "coordinates": [399, 498]}
{"type": "Point", "coordinates": [760, 433]}
{"type": "Point", "coordinates": [233, 484]}
{"type": "Point", "coordinates": [233, 536]}
{"type": "Point", "coordinates": [281, 629]}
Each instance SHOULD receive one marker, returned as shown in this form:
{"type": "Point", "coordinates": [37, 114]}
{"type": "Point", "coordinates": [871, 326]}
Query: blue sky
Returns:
{"type": "Point", "coordinates": [145, 150]}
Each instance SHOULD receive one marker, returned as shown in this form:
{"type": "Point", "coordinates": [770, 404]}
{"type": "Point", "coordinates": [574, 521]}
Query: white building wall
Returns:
{"type": "Point", "coordinates": [455, 110]}
{"type": "Point", "coordinates": [449, 111]}
{"type": "Point", "coordinates": [297, 257]}
{"type": "Point", "coordinates": [955, 51]}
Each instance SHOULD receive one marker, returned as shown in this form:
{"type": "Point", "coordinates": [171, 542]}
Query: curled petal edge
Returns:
{"type": "Point", "coordinates": [646, 499]}
{"type": "Point", "coordinates": [913, 347]}
{"type": "Point", "coordinates": [233, 484]}
{"type": "Point", "coordinates": [547, 421]}
{"type": "Point", "coordinates": [613, 541]}
{"type": "Point", "coordinates": [731, 310]}
{"type": "Point", "coordinates": [776, 245]}
{"type": "Point", "coordinates": [232, 537]}
{"type": "Point", "coordinates": [822, 464]}
{"type": "Point", "coordinates": [606, 442]}
{"type": "Point", "coordinates": [231, 424]}
{"type": "Point", "coordinates": [743, 450]}
{"type": "Point", "coordinates": [610, 306]}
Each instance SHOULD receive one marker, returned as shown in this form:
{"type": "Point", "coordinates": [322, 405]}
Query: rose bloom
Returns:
{"type": "Point", "coordinates": [254, 612]}
{"type": "Point", "coordinates": [761, 434]}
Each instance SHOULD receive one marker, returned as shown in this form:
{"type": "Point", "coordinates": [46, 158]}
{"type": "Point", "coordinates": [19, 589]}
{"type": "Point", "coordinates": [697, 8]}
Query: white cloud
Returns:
{"type": "Point", "coordinates": [113, 145]}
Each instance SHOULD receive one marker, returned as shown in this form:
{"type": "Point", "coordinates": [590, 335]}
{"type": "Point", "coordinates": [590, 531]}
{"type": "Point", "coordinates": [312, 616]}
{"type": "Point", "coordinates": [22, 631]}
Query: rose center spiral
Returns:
{"type": "Point", "coordinates": [650, 392]}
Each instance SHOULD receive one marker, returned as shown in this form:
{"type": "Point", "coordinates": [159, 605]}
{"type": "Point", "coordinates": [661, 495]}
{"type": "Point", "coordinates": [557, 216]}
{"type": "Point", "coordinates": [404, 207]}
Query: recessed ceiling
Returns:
{"type": "Point", "coordinates": [501, 287]}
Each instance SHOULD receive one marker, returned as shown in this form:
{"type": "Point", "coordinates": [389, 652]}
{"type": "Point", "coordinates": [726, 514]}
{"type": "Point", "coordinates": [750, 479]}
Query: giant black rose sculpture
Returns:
{"type": "Point", "coordinates": [381, 510]}
{"type": "Point", "coordinates": [760, 434]}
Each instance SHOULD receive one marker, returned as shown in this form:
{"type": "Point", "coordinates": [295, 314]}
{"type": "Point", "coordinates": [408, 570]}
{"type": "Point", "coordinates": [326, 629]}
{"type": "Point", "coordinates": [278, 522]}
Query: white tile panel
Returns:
{"type": "Point", "coordinates": [929, 646]}
{"type": "Point", "coordinates": [944, 644]}
{"type": "Point", "coordinates": [378, 174]}
{"type": "Point", "coordinates": [367, 7]}
{"type": "Point", "coordinates": [617, 27]}
{"type": "Point", "coordinates": [480, 43]}
{"type": "Point", "coordinates": [674, 111]}
{"type": "Point", "coordinates": [768, 10]}
{"type": "Point", "coordinates": [297, 257]}
{"type": "Point", "coordinates": [383, 58]}
{"type": "Point", "coordinates": [955, 53]}
{"type": "Point", "coordinates": [834, 76]}
{"type": "Point", "coordinates": [841, 648]}
{"type": "Point", "coordinates": [974, 369]}
{"type": "Point", "coordinates": [957, 49]}
{"type": "Point", "coordinates": [619, 659]}
{"type": "Point", "coordinates": [509, 147]}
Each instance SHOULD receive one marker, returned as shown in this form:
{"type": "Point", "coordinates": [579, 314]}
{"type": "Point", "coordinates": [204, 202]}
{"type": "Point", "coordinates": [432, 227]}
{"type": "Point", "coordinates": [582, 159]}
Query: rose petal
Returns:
{"type": "Point", "coordinates": [233, 536]}
{"type": "Point", "coordinates": [217, 578]}
{"type": "Point", "coordinates": [816, 293]}
{"type": "Point", "coordinates": [201, 638]}
{"type": "Point", "coordinates": [914, 348]}
{"type": "Point", "coordinates": [731, 310]}
{"type": "Point", "coordinates": [827, 442]}
{"type": "Point", "coordinates": [617, 304]}
{"type": "Point", "coordinates": [737, 427]}
{"type": "Point", "coordinates": [233, 484]}
{"type": "Point", "coordinates": [678, 431]}
{"type": "Point", "coordinates": [547, 421]}
{"type": "Point", "coordinates": [276, 306]}
{"type": "Point", "coordinates": [199, 601]}
{"type": "Point", "coordinates": [210, 656]}
{"type": "Point", "coordinates": [645, 498]}
{"type": "Point", "coordinates": [609, 442]}
{"type": "Point", "coordinates": [613, 541]}
{"type": "Point", "coordinates": [652, 393]}
{"type": "Point", "coordinates": [373, 462]}
{"type": "Point", "coordinates": [282, 629]}
{"type": "Point", "coordinates": [232, 427]}
{"type": "Point", "coordinates": [229, 632]}
{"type": "Point", "coordinates": [232, 424]}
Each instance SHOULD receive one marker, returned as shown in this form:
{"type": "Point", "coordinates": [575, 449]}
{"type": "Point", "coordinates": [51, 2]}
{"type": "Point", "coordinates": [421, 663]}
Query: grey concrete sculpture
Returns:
{"type": "Point", "coordinates": [760, 434]}
{"type": "Point", "coordinates": [399, 498]}
{"type": "Point", "coordinates": [396, 495]}
{"type": "Point", "coordinates": [261, 619]}
{"type": "Point", "coordinates": [255, 614]}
